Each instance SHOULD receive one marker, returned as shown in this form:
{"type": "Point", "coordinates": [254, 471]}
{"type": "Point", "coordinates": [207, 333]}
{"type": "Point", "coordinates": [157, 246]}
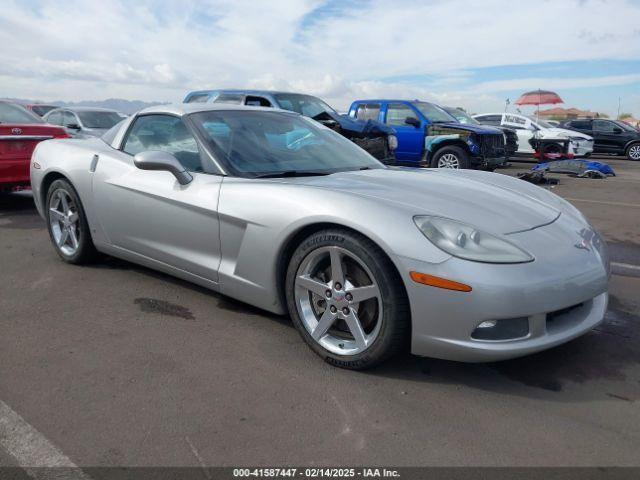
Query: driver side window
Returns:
{"type": "Point", "coordinates": [164, 133]}
{"type": "Point", "coordinates": [398, 114]}
{"type": "Point", "coordinates": [603, 126]}
{"type": "Point", "coordinates": [70, 119]}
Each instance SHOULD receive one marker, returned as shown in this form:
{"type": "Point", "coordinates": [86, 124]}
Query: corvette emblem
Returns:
{"type": "Point", "coordinates": [586, 242]}
{"type": "Point", "coordinates": [583, 245]}
{"type": "Point", "coordinates": [16, 131]}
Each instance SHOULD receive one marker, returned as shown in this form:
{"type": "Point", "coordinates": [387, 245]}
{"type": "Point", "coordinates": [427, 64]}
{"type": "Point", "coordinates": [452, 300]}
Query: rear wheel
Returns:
{"type": "Point", "coordinates": [67, 224]}
{"type": "Point", "coordinates": [346, 299]}
{"type": "Point", "coordinates": [633, 152]}
{"type": "Point", "coordinates": [451, 157]}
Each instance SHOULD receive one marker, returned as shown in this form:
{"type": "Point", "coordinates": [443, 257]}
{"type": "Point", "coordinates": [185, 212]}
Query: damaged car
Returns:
{"type": "Point", "coordinates": [429, 136]}
{"type": "Point", "coordinates": [510, 135]}
{"type": "Point", "coordinates": [528, 128]}
{"type": "Point", "coordinates": [374, 137]}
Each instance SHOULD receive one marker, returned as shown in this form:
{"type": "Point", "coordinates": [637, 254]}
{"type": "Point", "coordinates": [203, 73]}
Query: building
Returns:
{"type": "Point", "coordinates": [558, 113]}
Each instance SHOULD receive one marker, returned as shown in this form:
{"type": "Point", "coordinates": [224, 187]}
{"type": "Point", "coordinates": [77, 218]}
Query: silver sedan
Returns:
{"type": "Point", "coordinates": [275, 210]}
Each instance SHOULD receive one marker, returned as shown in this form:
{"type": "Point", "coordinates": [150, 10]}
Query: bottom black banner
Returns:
{"type": "Point", "coordinates": [341, 473]}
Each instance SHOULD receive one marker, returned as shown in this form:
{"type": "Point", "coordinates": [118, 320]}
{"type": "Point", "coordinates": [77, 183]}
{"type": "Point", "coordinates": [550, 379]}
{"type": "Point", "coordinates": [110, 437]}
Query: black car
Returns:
{"type": "Point", "coordinates": [510, 135]}
{"type": "Point", "coordinates": [610, 136]}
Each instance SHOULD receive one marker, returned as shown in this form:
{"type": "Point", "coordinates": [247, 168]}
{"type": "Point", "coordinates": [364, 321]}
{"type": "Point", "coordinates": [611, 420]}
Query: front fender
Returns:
{"type": "Point", "coordinates": [258, 219]}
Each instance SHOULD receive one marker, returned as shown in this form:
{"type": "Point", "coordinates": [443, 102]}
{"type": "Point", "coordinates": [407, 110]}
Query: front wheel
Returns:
{"type": "Point", "coordinates": [633, 152]}
{"type": "Point", "coordinates": [451, 157]}
{"type": "Point", "coordinates": [346, 299]}
{"type": "Point", "coordinates": [67, 223]}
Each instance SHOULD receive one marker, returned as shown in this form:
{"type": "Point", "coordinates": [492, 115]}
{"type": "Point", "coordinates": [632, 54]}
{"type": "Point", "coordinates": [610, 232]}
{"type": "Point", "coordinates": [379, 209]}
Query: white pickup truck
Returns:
{"type": "Point", "coordinates": [580, 145]}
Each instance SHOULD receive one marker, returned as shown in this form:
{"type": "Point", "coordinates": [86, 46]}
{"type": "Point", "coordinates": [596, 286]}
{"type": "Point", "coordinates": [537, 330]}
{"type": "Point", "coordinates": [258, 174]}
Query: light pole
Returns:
{"type": "Point", "coordinates": [618, 116]}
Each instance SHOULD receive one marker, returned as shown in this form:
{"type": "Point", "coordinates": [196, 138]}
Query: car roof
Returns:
{"type": "Point", "coordinates": [246, 92]}
{"type": "Point", "coordinates": [391, 100]}
{"type": "Point", "coordinates": [187, 108]}
{"type": "Point", "coordinates": [86, 109]}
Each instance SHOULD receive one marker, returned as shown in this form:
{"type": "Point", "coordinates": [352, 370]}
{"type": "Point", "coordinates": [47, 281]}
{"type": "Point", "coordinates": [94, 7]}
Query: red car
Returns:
{"type": "Point", "coordinates": [20, 131]}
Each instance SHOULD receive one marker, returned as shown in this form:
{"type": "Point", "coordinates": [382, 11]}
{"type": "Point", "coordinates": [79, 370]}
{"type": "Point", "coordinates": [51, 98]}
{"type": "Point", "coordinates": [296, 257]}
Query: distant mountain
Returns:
{"type": "Point", "coordinates": [119, 104]}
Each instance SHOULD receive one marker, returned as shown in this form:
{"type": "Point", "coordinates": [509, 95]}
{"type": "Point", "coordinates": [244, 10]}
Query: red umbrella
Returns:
{"type": "Point", "coordinates": [539, 97]}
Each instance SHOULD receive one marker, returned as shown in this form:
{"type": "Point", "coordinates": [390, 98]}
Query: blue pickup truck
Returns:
{"type": "Point", "coordinates": [376, 138]}
{"type": "Point", "coordinates": [429, 136]}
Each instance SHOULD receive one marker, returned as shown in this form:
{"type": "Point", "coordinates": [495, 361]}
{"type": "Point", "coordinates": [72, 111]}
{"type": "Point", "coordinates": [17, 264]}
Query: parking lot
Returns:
{"type": "Point", "coordinates": [115, 364]}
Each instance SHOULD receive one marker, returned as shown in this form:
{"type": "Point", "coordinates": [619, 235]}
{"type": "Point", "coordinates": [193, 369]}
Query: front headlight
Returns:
{"type": "Point", "coordinates": [467, 242]}
{"type": "Point", "coordinates": [393, 142]}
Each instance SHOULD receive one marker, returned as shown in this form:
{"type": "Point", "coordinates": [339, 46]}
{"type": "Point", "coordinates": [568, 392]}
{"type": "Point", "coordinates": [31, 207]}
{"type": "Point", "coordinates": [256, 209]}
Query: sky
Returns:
{"type": "Point", "coordinates": [473, 54]}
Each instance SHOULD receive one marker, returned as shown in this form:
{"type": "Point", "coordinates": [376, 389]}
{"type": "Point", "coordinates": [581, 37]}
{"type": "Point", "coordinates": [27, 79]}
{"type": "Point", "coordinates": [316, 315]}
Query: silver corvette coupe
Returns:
{"type": "Point", "coordinates": [278, 211]}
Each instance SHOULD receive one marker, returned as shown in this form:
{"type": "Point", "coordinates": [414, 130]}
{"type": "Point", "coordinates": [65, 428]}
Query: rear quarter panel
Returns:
{"type": "Point", "coordinates": [70, 158]}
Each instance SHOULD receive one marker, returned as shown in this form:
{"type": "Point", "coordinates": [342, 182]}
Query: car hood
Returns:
{"type": "Point", "coordinates": [359, 127]}
{"type": "Point", "coordinates": [469, 127]}
{"type": "Point", "coordinates": [548, 132]}
{"type": "Point", "coordinates": [496, 203]}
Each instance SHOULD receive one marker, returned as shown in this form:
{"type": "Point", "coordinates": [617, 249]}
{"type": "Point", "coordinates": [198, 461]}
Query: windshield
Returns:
{"type": "Point", "coordinates": [260, 143]}
{"type": "Point", "coordinates": [434, 113]}
{"type": "Point", "coordinates": [625, 126]}
{"type": "Point", "coordinates": [540, 123]}
{"type": "Point", "coordinates": [461, 116]}
{"type": "Point", "coordinates": [11, 113]}
{"type": "Point", "coordinates": [42, 109]}
{"type": "Point", "coordinates": [98, 119]}
{"type": "Point", "coordinates": [302, 104]}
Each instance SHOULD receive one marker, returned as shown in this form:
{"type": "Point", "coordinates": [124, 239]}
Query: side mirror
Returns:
{"type": "Point", "coordinates": [413, 121]}
{"type": "Point", "coordinates": [73, 126]}
{"type": "Point", "coordinates": [158, 160]}
{"type": "Point", "coordinates": [617, 130]}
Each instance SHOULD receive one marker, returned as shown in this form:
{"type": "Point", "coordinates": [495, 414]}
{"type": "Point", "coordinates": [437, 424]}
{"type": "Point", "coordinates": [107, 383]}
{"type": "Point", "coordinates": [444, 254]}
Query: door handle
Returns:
{"type": "Point", "coordinates": [94, 163]}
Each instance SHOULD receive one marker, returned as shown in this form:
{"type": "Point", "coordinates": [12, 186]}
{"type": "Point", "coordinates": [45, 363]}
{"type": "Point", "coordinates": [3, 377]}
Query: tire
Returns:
{"type": "Point", "coordinates": [381, 308]}
{"type": "Point", "coordinates": [70, 238]}
{"type": "Point", "coordinates": [553, 148]}
{"type": "Point", "coordinates": [451, 155]}
{"type": "Point", "coordinates": [633, 152]}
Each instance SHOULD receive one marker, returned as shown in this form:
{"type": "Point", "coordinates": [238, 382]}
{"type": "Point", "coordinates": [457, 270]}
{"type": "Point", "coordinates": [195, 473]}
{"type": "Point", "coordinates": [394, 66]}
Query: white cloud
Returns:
{"type": "Point", "coordinates": [159, 50]}
{"type": "Point", "coordinates": [556, 83]}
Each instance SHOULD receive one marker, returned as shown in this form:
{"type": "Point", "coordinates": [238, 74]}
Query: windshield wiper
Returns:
{"type": "Point", "coordinates": [292, 173]}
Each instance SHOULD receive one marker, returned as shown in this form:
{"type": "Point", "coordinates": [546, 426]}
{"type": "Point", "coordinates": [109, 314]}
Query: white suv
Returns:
{"type": "Point", "coordinates": [581, 145]}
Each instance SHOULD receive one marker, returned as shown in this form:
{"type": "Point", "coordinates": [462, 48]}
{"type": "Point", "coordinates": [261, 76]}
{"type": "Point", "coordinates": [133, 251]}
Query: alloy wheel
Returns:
{"type": "Point", "coordinates": [448, 160]}
{"type": "Point", "coordinates": [338, 300]}
{"type": "Point", "coordinates": [634, 152]}
{"type": "Point", "coordinates": [64, 222]}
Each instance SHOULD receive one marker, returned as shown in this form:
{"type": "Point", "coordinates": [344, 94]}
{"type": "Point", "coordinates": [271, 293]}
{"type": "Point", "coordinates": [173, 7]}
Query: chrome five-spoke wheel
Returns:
{"type": "Point", "coordinates": [63, 219]}
{"type": "Point", "coordinates": [67, 224]}
{"type": "Point", "coordinates": [346, 298]}
{"type": "Point", "coordinates": [338, 300]}
{"type": "Point", "coordinates": [448, 160]}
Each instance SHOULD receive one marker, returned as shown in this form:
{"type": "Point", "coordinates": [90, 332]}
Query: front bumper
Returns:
{"type": "Point", "coordinates": [581, 147]}
{"type": "Point", "coordinates": [489, 162]}
{"type": "Point", "coordinates": [562, 294]}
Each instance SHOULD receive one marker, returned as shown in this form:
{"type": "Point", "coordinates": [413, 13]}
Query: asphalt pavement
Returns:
{"type": "Point", "coordinates": [114, 364]}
